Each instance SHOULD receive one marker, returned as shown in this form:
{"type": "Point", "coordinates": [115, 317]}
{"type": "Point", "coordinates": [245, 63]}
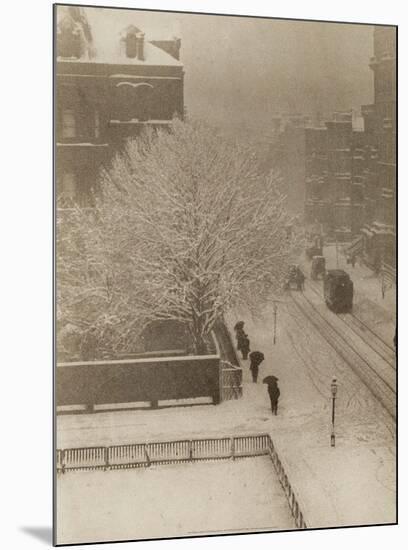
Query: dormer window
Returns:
{"type": "Point", "coordinates": [133, 40]}
{"type": "Point", "coordinates": [131, 45]}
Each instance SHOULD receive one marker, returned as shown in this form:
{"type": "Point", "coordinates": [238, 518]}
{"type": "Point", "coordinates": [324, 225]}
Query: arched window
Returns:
{"type": "Point", "coordinates": [134, 101]}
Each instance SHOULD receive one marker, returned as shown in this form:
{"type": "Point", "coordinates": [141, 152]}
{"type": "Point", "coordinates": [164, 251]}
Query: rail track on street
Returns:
{"type": "Point", "coordinates": [360, 328]}
{"type": "Point", "coordinates": [377, 373]}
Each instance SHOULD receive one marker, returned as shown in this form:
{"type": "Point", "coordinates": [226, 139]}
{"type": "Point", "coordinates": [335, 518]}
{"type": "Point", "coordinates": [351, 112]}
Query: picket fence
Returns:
{"type": "Point", "coordinates": [142, 455]}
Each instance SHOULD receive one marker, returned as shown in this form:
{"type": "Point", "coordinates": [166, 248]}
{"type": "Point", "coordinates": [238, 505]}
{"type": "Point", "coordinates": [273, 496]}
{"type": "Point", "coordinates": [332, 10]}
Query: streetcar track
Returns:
{"type": "Point", "coordinates": [374, 343]}
{"type": "Point", "coordinates": [352, 398]}
{"type": "Point", "coordinates": [382, 389]}
{"type": "Point", "coordinates": [347, 342]}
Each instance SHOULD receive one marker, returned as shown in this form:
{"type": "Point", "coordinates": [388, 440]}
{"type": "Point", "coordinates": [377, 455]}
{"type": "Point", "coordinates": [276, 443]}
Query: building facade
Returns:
{"type": "Point", "coordinates": [380, 214]}
{"type": "Point", "coordinates": [317, 199]}
{"type": "Point", "coordinates": [104, 96]}
{"type": "Point", "coordinates": [334, 177]}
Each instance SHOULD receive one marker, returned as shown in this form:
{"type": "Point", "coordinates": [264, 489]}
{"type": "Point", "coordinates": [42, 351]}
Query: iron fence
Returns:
{"type": "Point", "coordinates": [138, 455]}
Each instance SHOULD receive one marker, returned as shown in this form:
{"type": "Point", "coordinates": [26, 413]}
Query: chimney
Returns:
{"type": "Point", "coordinates": [69, 38]}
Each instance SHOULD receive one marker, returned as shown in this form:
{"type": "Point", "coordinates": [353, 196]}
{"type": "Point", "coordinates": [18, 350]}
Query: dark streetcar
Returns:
{"type": "Point", "coordinates": [295, 278]}
{"type": "Point", "coordinates": [318, 267]}
{"type": "Point", "coordinates": [338, 291]}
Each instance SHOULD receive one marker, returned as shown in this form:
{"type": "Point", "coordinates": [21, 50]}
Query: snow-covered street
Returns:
{"type": "Point", "coordinates": [172, 500]}
{"type": "Point", "coordinates": [351, 484]}
{"type": "Point", "coordinates": [369, 305]}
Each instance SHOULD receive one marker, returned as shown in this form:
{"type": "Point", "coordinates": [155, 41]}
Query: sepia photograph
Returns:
{"type": "Point", "coordinates": [225, 230]}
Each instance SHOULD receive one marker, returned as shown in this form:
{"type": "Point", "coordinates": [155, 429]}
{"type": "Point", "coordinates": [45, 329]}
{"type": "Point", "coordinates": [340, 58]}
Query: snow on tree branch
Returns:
{"type": "Point", "coordinates": [185, 229]}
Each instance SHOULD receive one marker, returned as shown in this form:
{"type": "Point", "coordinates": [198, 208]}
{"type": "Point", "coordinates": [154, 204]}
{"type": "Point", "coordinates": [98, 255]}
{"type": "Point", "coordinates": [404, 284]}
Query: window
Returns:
{"type": "Point", "coordinates": [68, 124]}
{"type": "Point", "coordinates": [97, 125]}
{"type": "Point", "coordinates": [133, 101]}
{"type": "Point", "coordinates": [69, 185]}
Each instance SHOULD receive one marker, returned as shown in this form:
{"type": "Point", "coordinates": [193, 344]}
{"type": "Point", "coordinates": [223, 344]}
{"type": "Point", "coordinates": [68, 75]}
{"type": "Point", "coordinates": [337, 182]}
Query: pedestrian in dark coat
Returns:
{"type": "Point", "coordinates": [274, 393]}
{"type": "Point", "coordinates": [243, 344]}
{"type": "Point", "coordinates": [239, 326]}
{"type": "Point", "coordinates": [256, 358]}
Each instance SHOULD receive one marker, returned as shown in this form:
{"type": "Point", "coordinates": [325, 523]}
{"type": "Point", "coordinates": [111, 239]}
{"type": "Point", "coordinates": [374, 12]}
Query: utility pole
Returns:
{"type": "Point", "coordinates": [337, 252]}
{"type": "Point", "coordinates": [275, 312]}
{"type": "Point", "coordinates": [333, 387]}
{"type": "Point", "coordinates": [275, 317]}
{"type": "Point", "coordinates": [383, 283]}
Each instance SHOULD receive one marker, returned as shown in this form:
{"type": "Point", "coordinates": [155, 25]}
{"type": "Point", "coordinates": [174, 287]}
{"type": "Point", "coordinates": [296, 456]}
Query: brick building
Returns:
{"type": "Point", "coordinates": [104, 96]}
{"type": "Point", "coordinates": [334, 195]}
{"type": "Point", "coordinates": [317, 199]}
{"type": "Point", "coordinates": [380, 212]}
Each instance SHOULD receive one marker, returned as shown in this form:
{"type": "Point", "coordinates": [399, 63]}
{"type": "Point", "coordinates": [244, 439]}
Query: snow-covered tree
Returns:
{"type": "Point", "coordinates": [185, 229]}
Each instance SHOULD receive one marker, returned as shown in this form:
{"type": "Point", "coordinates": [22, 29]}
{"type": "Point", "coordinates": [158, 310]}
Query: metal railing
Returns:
{"type": "Point", "coordinates": [287, 487]}
{"type": "Point", "coordinates": [231, 381]}
{"type": "Point", "coordinates": [142, 455]}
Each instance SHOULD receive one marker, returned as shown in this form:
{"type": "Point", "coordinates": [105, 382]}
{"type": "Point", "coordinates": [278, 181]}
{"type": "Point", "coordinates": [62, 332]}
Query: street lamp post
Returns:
{"type": "Point", "coordinates": [383, 283]}
{"type": "Point", "coordinates": [333, 392]}
{"type": "Point", "coordinates": [275, 312]}
{"type": "Point", "coordinates": [337, 252]}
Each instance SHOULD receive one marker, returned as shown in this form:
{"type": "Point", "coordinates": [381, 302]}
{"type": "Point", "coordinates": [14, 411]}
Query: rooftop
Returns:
{"type": "Point", "coordinates": [103, 30]}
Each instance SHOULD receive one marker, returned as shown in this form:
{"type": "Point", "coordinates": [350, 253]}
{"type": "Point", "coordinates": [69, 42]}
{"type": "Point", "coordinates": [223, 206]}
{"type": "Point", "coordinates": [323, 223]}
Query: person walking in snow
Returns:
{"type": "Point", "coordinates": [244, 345]}
{"type": "Point", "coordinates": [242, 339]}
{"type": "Point", "coordinates": [274, 392]}
{"type": "Point", "coordinates": [256, 358]}
{"type": "Point", "coordinates": [239, 327]}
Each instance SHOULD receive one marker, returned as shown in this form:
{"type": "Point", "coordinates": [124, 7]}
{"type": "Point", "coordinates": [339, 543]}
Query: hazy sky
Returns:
{"type": "Point", "coordinates": [246, 69]}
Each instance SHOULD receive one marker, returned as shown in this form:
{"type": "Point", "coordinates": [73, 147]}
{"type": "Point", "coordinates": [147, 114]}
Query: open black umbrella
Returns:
{"type": "Point", "coordinates": [270, 380]}
{"type": "Point", "coordinates": [257, 356]}
{"type": "Point", "coordinates": [239, 325]}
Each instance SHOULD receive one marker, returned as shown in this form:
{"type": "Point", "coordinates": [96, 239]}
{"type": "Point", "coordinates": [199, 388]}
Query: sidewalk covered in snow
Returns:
{"type": "Point", "coordinates": [351, 484]}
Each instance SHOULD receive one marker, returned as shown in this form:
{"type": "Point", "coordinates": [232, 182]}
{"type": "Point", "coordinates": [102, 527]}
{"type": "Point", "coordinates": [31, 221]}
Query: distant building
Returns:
{"type": "Point", "coordinates": [380, 214]}
{"type": "Point", "coordinates": [334, 177]}
{"type": "Point", "coordinates": [339, 153]}
{"type": "Point", "coordinates": [105, 96]}
{"type": "Point", "coordinates": [370, 178]}
{"type": "Point", "coordinates": [317, 198]}
{"type": "Point", "coordinates": [288, 157]}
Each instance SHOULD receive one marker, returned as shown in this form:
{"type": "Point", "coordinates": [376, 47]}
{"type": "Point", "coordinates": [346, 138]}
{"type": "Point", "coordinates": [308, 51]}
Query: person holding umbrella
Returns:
{"type": "Point", "coordinates": [242, 339]}
{"type": "Point", "coordinates": [256, 358]}
{"type": "Point", "coordinates": [274, 392]}
{"type": "Point", "coordinates": [239, 327]}
{"type": "Point", "coordinates": [243, 345]}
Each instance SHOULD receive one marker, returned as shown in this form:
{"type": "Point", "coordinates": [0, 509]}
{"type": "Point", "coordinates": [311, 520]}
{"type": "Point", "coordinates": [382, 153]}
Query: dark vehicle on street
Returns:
{"type": "Point", "coordinates": [338, 291]}
{"type": "Point", "coordinates": [314, 247]}
{"type": "Point", "coordinates": [295, 278]}
{"type": "Point", "coordinates": [318, 267]}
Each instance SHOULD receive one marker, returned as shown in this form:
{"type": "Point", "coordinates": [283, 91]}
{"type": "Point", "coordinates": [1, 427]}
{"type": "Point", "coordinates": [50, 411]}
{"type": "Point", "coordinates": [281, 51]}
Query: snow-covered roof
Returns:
{"type": "Point", "coordinates": [152, 56]}
{"type": "Point", "coordinates": [107, 27]}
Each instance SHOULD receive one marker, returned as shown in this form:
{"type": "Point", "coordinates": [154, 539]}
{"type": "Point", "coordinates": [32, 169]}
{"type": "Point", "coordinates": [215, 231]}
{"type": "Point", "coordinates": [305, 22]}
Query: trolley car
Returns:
{"type": "Point", "coordinates": [338, 291]}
